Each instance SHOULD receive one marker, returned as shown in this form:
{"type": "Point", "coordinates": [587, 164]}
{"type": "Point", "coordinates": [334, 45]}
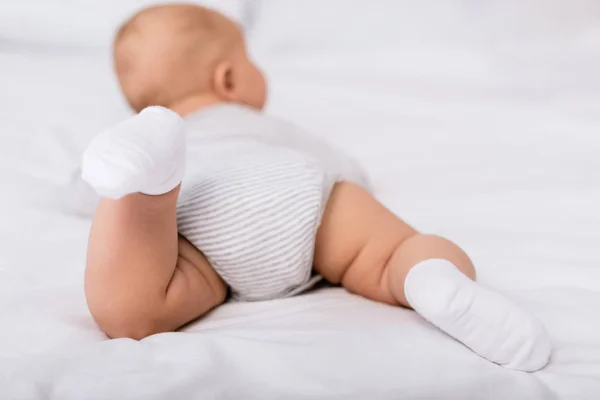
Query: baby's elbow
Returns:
{"type": "Point", "coordinates": [125, 323]}
{"type": "Point", "coordinates": [131, 330]}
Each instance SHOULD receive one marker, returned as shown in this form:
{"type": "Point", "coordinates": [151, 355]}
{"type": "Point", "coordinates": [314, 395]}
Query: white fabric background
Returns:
{"type": "Point", "coordinates": [477, 120]}
{"type": "Point", "coordinates": [85, 22]}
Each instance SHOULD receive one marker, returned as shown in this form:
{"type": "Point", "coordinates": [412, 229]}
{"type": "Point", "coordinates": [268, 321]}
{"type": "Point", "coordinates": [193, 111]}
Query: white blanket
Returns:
{"type": "Point", "coordinates": [478, 122]}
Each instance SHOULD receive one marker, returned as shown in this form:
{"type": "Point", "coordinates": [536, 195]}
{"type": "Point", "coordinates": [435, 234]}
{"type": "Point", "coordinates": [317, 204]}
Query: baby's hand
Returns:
{"type": "Point", "coordinates": [145, 153]}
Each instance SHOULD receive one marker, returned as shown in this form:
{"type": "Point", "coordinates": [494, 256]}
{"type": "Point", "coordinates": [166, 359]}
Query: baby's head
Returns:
{"type": "Point", "coordinates": [184, 57]}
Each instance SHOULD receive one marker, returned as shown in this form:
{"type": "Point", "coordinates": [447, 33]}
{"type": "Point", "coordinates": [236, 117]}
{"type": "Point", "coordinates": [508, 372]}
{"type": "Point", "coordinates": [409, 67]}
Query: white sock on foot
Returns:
{"type": "Point", "coordinates": [481, 319]}
{"type": "Point", "coordinates": [145, 153]}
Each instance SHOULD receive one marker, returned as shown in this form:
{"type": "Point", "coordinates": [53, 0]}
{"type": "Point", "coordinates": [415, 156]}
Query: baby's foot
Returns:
{"type": "Point", "coordinates": [483, 320]}
{"type": "Point", "coordinates": [145, 153]}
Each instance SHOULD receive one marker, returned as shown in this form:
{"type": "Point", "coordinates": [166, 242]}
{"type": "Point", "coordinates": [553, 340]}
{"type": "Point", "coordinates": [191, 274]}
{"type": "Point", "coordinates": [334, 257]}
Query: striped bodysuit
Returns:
{"type": "Point", "coordinates": [252, 198]}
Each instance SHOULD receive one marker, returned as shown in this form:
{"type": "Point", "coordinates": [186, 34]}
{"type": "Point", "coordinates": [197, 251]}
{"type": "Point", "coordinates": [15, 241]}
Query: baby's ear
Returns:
{"type": "Point", "coordinates": [224, 82]}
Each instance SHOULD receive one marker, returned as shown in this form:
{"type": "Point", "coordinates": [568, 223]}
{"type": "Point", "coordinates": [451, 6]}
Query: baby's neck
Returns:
{"type": "Point", "coordinates": [194, 103]}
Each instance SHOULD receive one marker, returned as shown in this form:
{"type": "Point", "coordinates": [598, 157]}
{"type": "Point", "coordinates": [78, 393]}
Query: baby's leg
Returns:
{"type": "Point", "coordinates": [371, 252]}
{"type": "Point", "coordinates": [141, 278]}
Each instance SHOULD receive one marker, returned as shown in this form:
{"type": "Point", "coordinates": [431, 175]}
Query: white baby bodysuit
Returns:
{"type": "Point", "coordinates": [252, 194]}
{"type": "Point", "coordinates": [252, 198]}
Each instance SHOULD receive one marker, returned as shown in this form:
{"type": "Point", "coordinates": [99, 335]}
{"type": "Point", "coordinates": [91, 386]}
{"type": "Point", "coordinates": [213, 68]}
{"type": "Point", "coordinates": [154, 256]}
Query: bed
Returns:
{"type": "Point", "coordinates": [477, 120]}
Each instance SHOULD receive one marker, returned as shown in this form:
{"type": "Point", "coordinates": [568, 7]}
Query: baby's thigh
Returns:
{"type": "Point", "coordinates": [355, 240]}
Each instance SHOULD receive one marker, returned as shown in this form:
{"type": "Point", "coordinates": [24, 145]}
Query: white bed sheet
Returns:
{"type": "Point", "coordinates": [506, 165]}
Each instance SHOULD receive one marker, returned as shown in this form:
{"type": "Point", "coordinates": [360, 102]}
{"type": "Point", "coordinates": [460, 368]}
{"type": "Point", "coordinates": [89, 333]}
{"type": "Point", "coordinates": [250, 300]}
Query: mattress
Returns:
{"type": "Point", "coordinates": [476, 120]}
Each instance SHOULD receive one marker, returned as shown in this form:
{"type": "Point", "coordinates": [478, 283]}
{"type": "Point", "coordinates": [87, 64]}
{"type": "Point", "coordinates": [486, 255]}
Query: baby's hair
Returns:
{"type": "Point", "coordinates": [203, 36]}
{"type": "Point", "coordinates": [190, 17]}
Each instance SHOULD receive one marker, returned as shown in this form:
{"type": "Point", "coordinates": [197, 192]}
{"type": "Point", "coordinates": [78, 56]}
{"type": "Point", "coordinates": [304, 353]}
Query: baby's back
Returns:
{"type": "Point", "coordinates": [231, 129]}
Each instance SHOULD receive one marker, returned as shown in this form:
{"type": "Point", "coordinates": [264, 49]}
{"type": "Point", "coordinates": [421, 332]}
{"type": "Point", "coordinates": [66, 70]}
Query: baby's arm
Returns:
{"type": "Point", "coordinates": [141, 278]}
{"type": "Point", "coordinates": [373, 253]}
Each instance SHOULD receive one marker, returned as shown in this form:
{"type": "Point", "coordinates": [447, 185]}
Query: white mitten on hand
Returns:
{"type": "Point", "coordinates": [145, 153]}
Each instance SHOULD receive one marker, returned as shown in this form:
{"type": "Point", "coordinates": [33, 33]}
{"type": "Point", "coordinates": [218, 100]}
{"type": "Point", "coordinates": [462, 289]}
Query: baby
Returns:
{"type": "Point", "coordinates": [228, 199]}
